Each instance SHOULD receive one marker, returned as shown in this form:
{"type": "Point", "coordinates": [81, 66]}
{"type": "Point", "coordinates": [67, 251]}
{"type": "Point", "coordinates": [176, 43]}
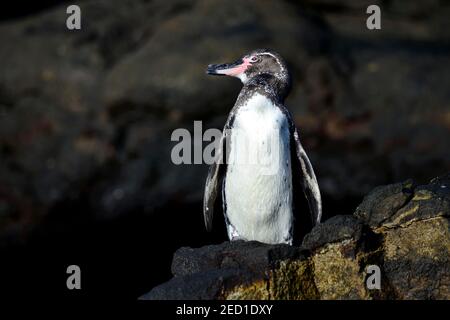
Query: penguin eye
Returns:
{"type": "Point", "coordinates": [254, 59]}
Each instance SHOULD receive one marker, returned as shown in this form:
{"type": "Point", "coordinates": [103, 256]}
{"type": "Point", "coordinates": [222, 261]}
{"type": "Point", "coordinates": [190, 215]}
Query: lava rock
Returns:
{"type": "Point", "coordinates": [405, 233]}
{"type": "Point", "coordinates": [335, 229]}
{"type": "Point", "coordinates": [198, 286]}
{"type": "Point", "coordinates": [252, 255]}
{"type": "Point", "coordinates": [416, 260]}
{"type": "Point", "coordinates": [237, 270]}
{"type": "Point", "coordinates": [383, 202]}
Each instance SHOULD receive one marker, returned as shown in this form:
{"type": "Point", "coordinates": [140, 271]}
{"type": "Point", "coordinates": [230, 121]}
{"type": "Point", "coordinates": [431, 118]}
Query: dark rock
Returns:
{"type": "Point", "coordinates": [416, 242]}
{"type": "Point", "coordinates": [335, 229]}
{"type": "Point", "coordinates": [239, 270]}
{"type": "Point", "coordinates": [254, 256]}
{"type": "Point", "coordinates": [383, 202]}
{"type": "Point", "coordinates": [440, 186]}
{"type": "Point", "coordinates": [429, 201]}
{"type": "Point", "coordinates": [199, 286]}
{"type": "Point", "coordinates": [410, 246]}
{"type": "Point", "coordinates": [416, 259]}
{"type": "Point", "coordinates": [401, 203]}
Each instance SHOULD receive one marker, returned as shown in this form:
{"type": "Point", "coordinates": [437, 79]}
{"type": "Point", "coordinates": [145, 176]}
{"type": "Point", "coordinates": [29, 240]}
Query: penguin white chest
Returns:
{"type": "Point", "coordinates": [258, 185]}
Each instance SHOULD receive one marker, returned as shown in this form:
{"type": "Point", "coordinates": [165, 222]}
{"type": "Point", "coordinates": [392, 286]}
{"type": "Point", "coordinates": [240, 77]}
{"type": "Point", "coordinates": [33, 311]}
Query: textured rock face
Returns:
{"type": "Point", "coordinates": [402, 228]}
{"type": "Point", "coordinates": [238, 270]}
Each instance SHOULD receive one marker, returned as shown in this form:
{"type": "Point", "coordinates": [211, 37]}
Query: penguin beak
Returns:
{"type": "Point", "coordinates": [234, 69]}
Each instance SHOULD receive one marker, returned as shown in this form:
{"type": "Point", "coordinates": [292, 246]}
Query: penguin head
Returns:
{"type": "Point", "coordinates": [257, 62]}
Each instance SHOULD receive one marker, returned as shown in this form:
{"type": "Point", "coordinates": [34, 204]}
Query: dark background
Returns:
{"type": "Point", "coordinates": [86, 118]}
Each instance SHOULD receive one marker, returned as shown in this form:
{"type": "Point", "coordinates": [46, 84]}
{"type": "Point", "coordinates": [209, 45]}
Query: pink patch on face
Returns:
{"type": "Point", "coordinates": [236, 71]}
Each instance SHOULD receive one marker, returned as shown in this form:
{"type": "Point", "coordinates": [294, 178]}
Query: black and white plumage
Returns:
{"type": "Point", "coordinates": [258, 196]}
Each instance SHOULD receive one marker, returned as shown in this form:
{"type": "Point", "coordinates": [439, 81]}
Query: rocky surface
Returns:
{"type": "Point", "coordinates": [240, 270]}
{"type": "Point", "coordinates": [402, 228]}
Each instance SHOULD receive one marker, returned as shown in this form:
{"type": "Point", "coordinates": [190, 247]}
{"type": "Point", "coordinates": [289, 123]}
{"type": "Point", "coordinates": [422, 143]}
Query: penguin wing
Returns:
{"type": "Point", "coordinates": [213, 184]}
{"type": "Point", "coordinates": [308, 180]}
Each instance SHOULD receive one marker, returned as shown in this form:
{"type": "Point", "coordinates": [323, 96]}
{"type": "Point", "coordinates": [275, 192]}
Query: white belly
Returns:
{"type": "Point", "coordinates": [258, 186]}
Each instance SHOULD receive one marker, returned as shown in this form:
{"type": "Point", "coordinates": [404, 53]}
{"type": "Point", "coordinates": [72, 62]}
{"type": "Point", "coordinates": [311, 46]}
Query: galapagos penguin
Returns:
{"type": "Point", "coordinates": [264, 159]}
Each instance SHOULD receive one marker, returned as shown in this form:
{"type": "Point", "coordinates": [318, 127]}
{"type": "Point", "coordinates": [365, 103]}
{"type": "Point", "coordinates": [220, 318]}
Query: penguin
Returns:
{"type": "Point", "coordinates": [260, 162]}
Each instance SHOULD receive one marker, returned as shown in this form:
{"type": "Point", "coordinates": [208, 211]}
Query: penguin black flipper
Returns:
{"type": "Point", "coordinates": [216, 174]}
{"type": "Point", "coordinates": [308, 180]}
{"type": "Point", "coordinates": [213, 185]}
